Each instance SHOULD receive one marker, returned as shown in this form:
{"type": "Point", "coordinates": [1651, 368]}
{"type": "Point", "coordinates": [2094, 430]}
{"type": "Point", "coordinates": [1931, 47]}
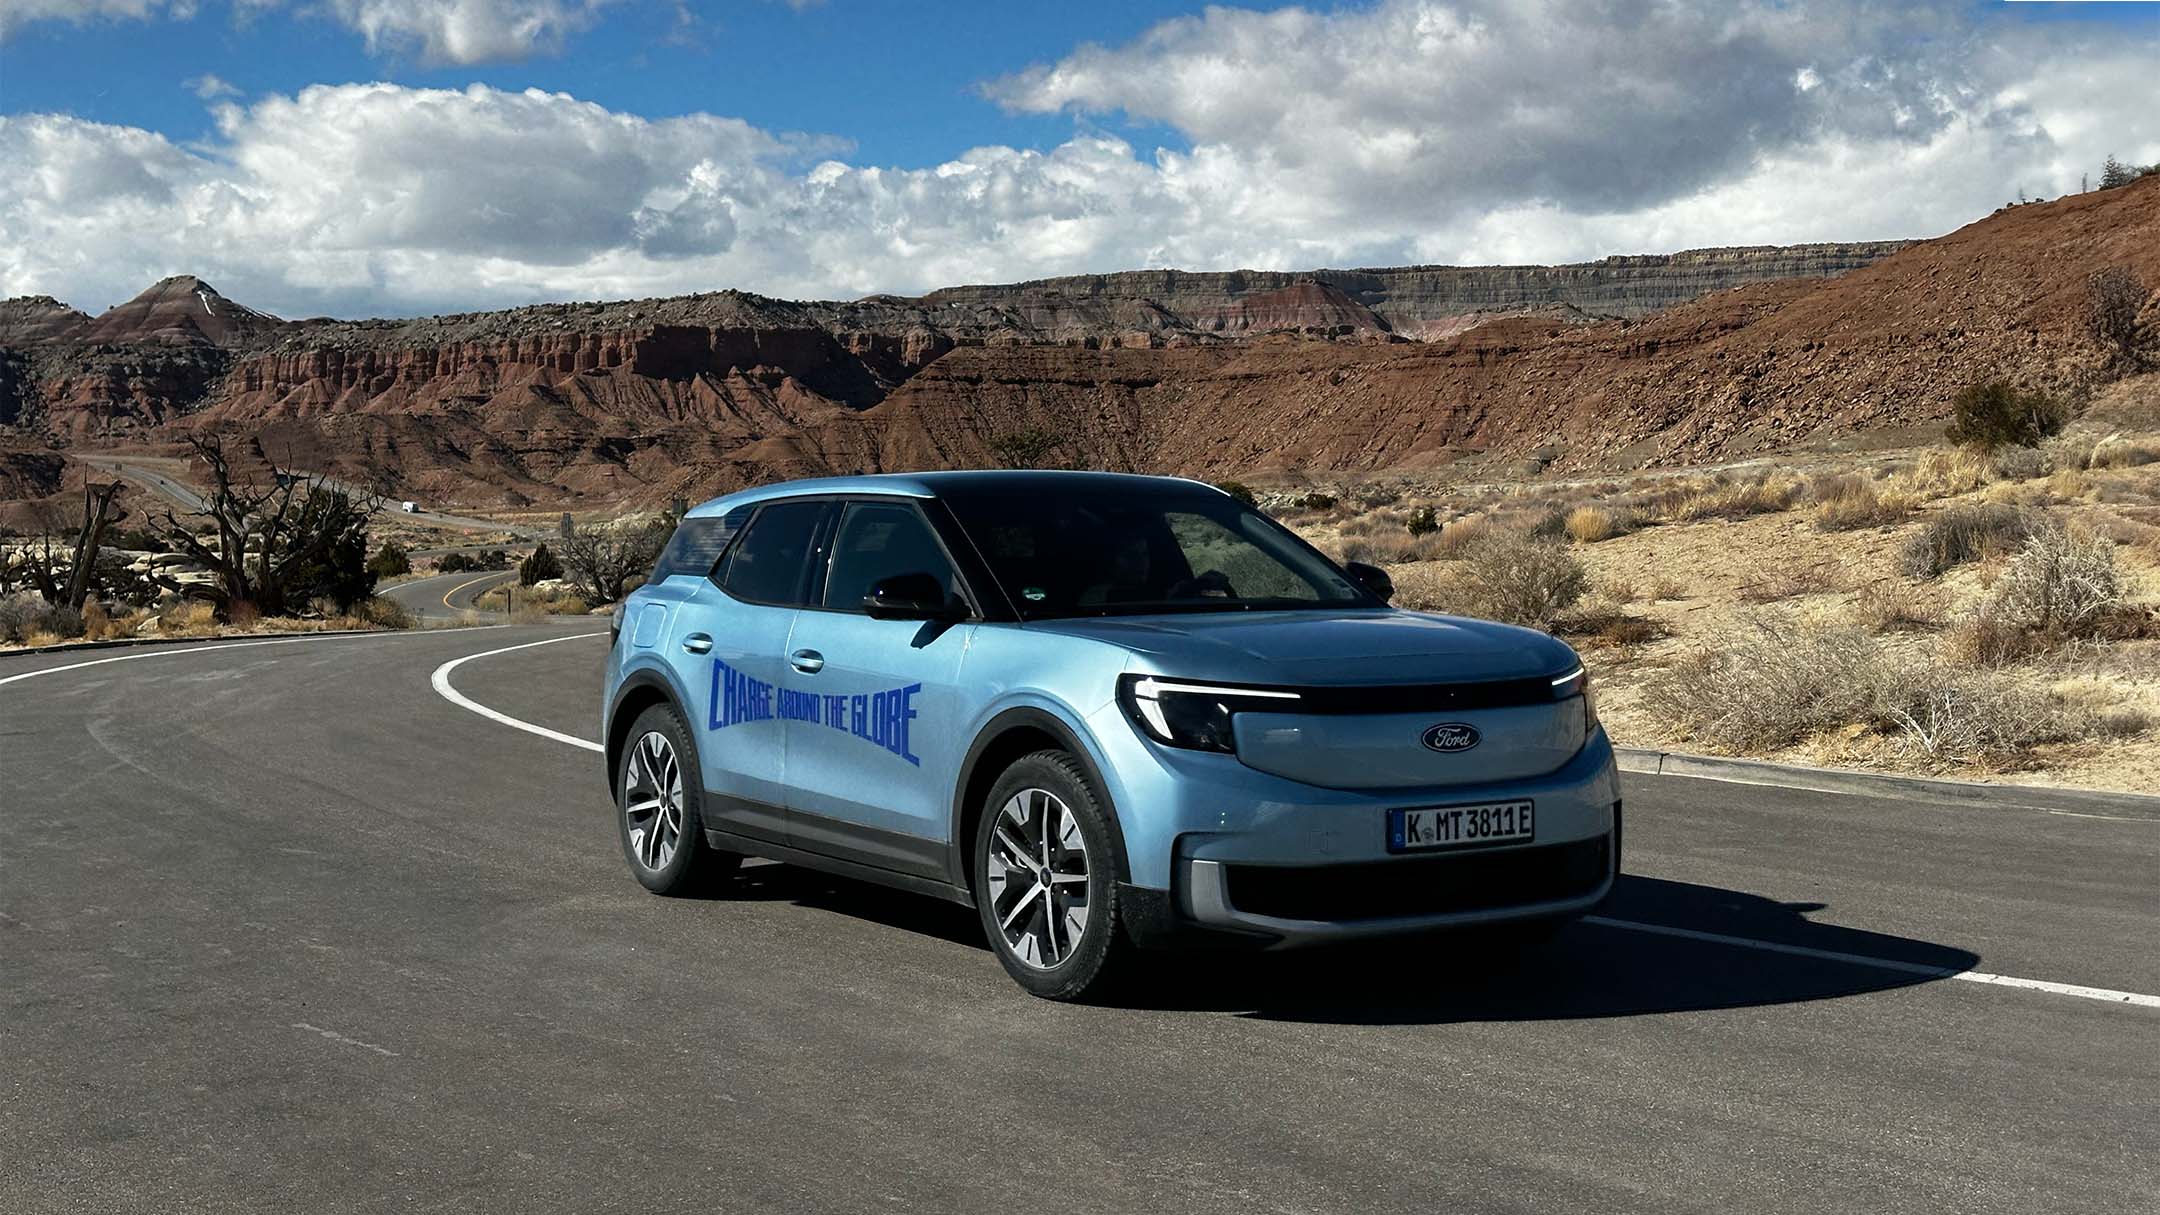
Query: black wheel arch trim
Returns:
{"type": "Point", "coordinates": [1070, 741]}
{"type": "Point", "coordinates": [643, 681]}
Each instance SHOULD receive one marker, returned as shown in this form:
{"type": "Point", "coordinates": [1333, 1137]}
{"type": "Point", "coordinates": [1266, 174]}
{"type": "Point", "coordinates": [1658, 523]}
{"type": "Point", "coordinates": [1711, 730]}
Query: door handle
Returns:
{"type": "Point", "coordinates": [809, 662]}
{"type": "Point", "coordinates": [697, 643]}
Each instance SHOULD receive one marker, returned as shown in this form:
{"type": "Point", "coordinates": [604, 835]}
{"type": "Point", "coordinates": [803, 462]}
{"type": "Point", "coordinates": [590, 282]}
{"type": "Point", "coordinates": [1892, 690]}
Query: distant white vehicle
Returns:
{"type": "Point", "coordinates": [410, 508]}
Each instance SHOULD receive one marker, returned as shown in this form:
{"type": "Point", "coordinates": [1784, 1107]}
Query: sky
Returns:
{"type": "Point", "coordinates": [401, 157]}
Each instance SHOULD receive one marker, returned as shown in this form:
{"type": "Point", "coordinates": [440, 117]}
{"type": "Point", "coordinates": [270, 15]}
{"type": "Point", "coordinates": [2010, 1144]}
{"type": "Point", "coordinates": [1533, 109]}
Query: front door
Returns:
{"type": "Point", "coordinates": [730, 646]}
{"type": "Point", "coordinates": [874, 706]}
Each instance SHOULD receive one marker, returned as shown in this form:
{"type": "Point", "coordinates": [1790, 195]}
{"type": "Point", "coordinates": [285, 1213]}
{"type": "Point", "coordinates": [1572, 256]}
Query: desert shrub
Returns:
{"type": "Point", "coordinates": [1240, 491]}
{"type": "Point", "coordinates": [1960, 534]}
{"type": "Point", "coordinates": [2068, 485]}
{"type": "Point", "coordinates": [2062, 580]}
{"type": "Point", "coordinates": [1548, 524]}
{"type": "Point", "coordinates": [1946, 473]}
{"type": "Point", "coordinates": [1856, 503]}
{"type": "Point", "coordinates": [1518, 579]}
{"type": "Point", "coordinates": [1895, 607]}
{"type": "Point", "coordinates": [1458, 537]}
{"type": "Point", "coordinates": [453, 563]}
{"type": "Point", "coordinates": [2072, 450]}
{"type": "Point", "coordinates": [1424, 521]}
{"type": "Point", "coordinates": [540, 567]}
{"type": "Point", "coordinates": [2018, 463]}
{"type": "Point", "coordinates": [1604, 623]}
{"type": "Point", "coordinates": [1770, 687]}
{"type": "Point", "coordinates": [1792, 581]}
{"type": "Point", "coordinates": [1665, 586]}
{"type": "Point", "coordinates": [1739, 499]}
{"type": "Point", "coordinates": [1946, 717]}
{"type": "Point", "coordinates": [1030, 448]}
{"type": "Point", "coordinates": [1314, 500]}
{"type": "Point", "coordinates": [1987, 638]}
{"type": "Point", "coordinates": [25, 615]}
{"type": "Point", "coordinates": [390, 561]}
{"type": "Point", "coordinates": [1399, 548]}
{"type": "Point", "coordinates": [1590, 524]}
{"type": "Point", "coordinates": [1995, 414]}
{"type": "Point", "coordinates": [2113, 297]}
{"type": "Point", "coordinates": [2123, 454]}
{"type": "Point", "coordinates": [378, 612]}
{"type": "Point", "coordinates": [191, 618]}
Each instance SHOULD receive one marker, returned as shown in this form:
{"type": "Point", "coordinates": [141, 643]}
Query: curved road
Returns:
{"type": "Point", "coordinates": [448, 596]}
{"type": "Point", "coordinates": [282, 928]}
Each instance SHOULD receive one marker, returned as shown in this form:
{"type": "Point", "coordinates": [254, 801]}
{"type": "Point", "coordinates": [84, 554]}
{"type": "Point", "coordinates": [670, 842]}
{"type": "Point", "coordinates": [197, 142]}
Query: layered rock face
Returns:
{"type": "Point", "coordinates": [1207, 374]}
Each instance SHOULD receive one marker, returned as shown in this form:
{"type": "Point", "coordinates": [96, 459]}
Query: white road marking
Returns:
{"type": "Point", "coordinates": [342, 1040]}
{"type": "Point", "coordinates": [441, 680]}
{"type": "Point", "coordinates": [1910, 968]}
{"type": "Point", "coordinates": [209, 646]}
{"type": "Point", "coordinates": [2113, 818]}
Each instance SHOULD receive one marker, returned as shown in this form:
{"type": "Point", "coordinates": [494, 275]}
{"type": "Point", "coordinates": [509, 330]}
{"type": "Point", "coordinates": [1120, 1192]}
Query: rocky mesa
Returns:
{"type": "Point", "coordinates": [1625, 361]}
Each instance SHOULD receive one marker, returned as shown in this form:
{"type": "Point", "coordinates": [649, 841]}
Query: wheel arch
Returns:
{"type": "Point", "coordinates": [639, 690]}
{"type": "Point", "coordinates": [1005, 738]}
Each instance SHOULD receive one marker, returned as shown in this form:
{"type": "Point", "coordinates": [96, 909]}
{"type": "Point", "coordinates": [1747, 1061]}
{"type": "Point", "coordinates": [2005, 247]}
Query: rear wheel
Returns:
{"type": "Point", "coordinates": [663, 835]}
{"type": "Point", "coordinates": [1045, 879]}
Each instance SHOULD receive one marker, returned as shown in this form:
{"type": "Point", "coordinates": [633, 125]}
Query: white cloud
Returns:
{"type": "Point", "coordinates": [14, 14]}
{"type": "Point", "coordinates": [1365, 137]}
{"type": "Point", "coordinates": [436, 31]}
{"type": "Point", "coordinates": [209, 86]}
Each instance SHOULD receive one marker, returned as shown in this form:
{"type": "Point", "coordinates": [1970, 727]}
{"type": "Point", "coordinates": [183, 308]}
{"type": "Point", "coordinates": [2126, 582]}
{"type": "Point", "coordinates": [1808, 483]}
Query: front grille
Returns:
{"type": "Point", "coordinates": [1417, 886]}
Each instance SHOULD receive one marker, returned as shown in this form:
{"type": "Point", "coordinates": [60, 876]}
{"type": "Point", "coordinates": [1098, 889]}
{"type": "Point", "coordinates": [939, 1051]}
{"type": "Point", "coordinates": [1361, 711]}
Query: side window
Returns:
{"type": "Point", "coordinates": [878, 540]}
{"type": "Point", "coordinates": [1229, 565]}
{"type": "Point", "coordinates": [769, 563]}
{"type": "Point", "coordinates": [696, 544]}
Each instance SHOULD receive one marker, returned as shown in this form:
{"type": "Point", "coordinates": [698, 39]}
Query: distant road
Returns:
{"type": "Point", "coordinates": [448, 596]}
{"type": "Point", "coordinates": [282, 929]}
{"type": "Point", "coordinates": [188, 499]}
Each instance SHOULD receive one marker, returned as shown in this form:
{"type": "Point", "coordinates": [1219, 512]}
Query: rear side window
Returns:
{"type": "Point", "coordinates": [697, 543]}
{"type": "Point", "coordinates": [878, 540]}
{"type": "Point", "coordinates": [771, 562]}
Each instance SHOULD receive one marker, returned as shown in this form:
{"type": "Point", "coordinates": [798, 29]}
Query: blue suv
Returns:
{"type": "Point", "coordinates": [1106, 711]}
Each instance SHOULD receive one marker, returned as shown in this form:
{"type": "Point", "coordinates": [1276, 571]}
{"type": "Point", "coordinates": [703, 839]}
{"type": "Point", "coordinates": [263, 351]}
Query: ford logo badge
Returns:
{"type": "Point", "coordinates": [1451, 736]}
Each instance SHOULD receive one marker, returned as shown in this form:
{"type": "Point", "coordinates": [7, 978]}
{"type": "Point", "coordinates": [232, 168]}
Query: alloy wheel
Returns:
{"type": "Point", "coordinates": [653, 801]}
{"type": "Point", "coordinates": [1038, 875]}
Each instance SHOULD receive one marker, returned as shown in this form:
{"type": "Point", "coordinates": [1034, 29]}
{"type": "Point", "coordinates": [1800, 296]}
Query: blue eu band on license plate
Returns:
{"type": "Point", "coordinates": [1425, 828]}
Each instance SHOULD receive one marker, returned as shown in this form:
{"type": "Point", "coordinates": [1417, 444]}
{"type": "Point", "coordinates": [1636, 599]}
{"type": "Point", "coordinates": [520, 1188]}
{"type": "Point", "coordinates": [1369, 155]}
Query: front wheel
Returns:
{"type": "Point", "coordinates": [1046, 879]}
{"type": "Point", "coordinates": [663, 836]}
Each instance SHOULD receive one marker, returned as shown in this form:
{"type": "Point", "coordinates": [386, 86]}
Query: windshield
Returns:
{"type": "Point", "coordinates": [1109, 550]}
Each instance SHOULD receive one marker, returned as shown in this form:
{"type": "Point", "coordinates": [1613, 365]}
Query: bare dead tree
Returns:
{"type": "Point", "coordinates": [599, 560]}
{"type": "Point", "coordinates": [63, 573]}
{"type": "Point", "coordinates": [2114, 297]}
{"type": "Point", "coordinates": [269, 532]}
{"type": "Point", "coordinates": [98, 514]}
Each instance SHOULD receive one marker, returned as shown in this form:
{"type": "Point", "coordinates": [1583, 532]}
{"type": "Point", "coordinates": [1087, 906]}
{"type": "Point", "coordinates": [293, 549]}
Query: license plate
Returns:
{"type": "Point", "coordinates": [1433, 827]}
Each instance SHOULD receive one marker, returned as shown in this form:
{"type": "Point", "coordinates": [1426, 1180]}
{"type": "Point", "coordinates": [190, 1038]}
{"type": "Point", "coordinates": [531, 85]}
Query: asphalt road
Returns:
{"type": "Point", "coordinates": [448, 596]}
{"type": "Point", "coordinates": [282, 929]}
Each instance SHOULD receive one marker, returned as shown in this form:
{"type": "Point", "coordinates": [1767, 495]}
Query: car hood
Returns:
{"type": "Point", "coordinates": [1349, 646]}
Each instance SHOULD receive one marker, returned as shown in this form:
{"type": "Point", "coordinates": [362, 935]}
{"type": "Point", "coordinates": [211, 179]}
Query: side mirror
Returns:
{"type": "Point", "coordinates": [910, 597]}
{"type": "Point", "coordinates": [1374, 579]}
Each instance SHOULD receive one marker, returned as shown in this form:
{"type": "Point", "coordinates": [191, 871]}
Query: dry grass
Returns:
{"type": "Point", "coordinates": [1945, 473]}
{"type": "Point", "coordinates": [1896, 607]}
{"type": "Point", "coordinates": [1590, 524]}
{"type": "Point", "coordinates": [1791, 581]}
{"type": "Point", "coordinates": [1958, 534]}
{"type": "Point", "coordinates": [1719, 499]}
{"type": "Point", "coordinates": [531, 605]}
{"type": "Point", "coordinates": [1853, 502]}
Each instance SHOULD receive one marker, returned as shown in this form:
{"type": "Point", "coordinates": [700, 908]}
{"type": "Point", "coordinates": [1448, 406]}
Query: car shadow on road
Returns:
{"type": "Point", "coordinates": [1592, 969]}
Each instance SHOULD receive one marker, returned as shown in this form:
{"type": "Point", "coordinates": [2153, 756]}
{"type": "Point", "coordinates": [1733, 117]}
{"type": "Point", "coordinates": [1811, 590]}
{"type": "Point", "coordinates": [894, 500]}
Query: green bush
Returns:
{"type": "Point", "coordinates": [1996, 414]}
{"type": "Point", "coordinates": [540, 567]}
{"type": "Point", "coordinates": [390, 561]}
{"type": "Point", "coordinates": [1424, 521]}
{"type": "Point", "coordinates": [1239, 490]}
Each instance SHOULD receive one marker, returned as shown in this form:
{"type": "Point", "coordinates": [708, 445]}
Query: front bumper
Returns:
{"type": "Point", "coordinates": [1220, 849]}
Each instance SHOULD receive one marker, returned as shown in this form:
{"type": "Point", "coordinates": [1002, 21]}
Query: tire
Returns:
{"type": "Point", "coordinates": [661, 787]}
{"type": "Point", "coordinates": [1068, 944]}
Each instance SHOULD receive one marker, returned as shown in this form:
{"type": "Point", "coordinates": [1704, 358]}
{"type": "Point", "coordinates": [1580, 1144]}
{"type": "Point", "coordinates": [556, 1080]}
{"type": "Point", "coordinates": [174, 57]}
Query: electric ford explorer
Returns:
{"type": "Point", "coordinates": [1105, 711]}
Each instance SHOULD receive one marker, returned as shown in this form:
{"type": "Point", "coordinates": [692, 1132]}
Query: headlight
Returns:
{"type": "Point", "coordinates": [1181, 713]}
{"type": "Point", "coordinates": [1577, 682]}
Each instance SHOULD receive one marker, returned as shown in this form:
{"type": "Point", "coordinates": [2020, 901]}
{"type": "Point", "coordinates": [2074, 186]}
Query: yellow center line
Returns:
{"type": "Point", "coordinates": [462, 585]}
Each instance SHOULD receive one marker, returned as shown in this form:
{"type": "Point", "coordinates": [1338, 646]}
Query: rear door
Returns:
{"type": "Point", "coordinates": [876, 705]}
{"type": "Point", "coordinates": [730, 638]}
